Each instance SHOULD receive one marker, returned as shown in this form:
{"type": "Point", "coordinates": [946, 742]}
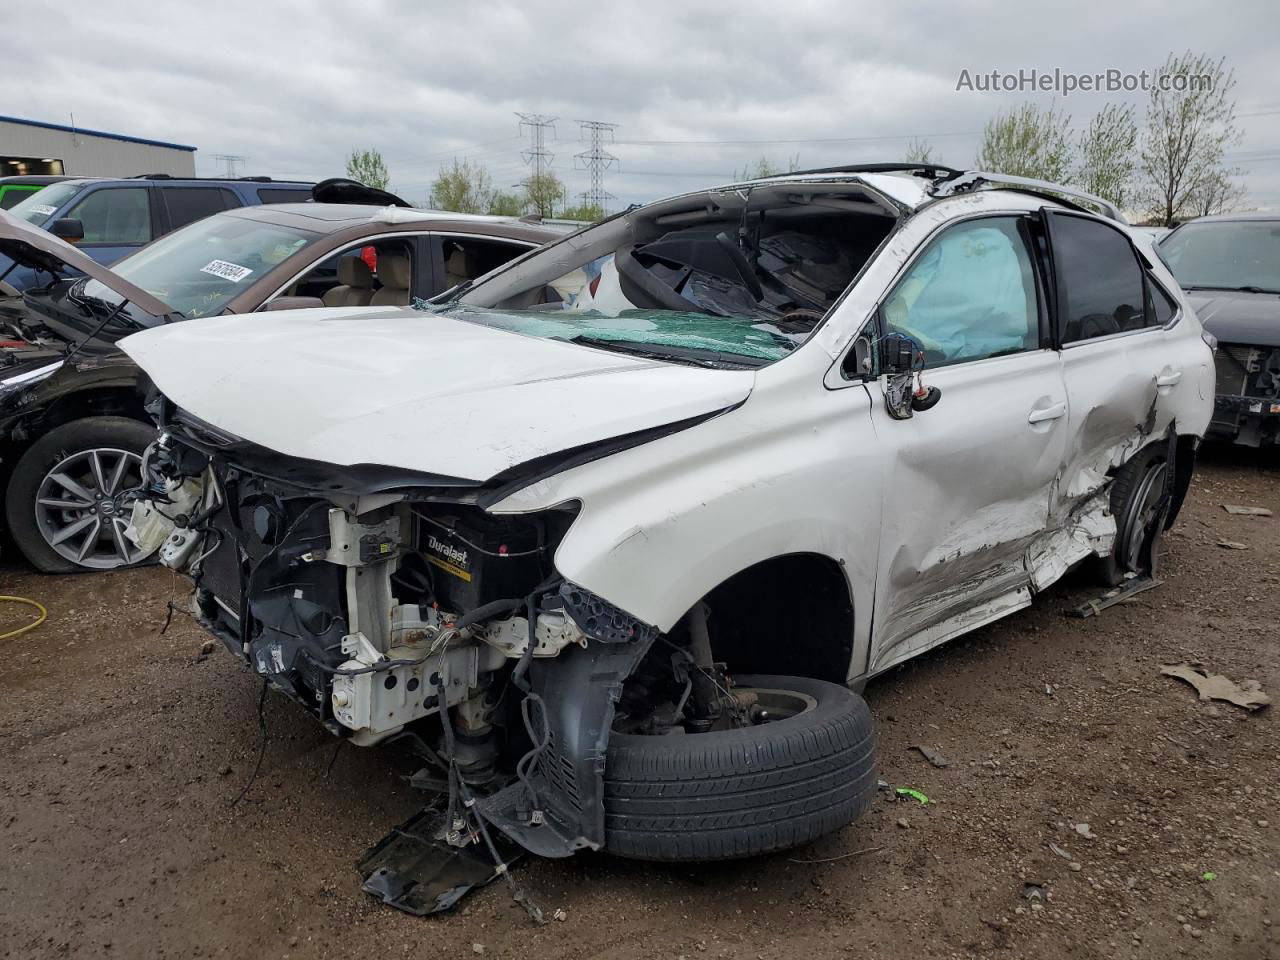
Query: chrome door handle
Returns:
{"type": "Point", "coordinates": [1168, 377]}
{"type": "Point", "coordinates": [1052, 412]}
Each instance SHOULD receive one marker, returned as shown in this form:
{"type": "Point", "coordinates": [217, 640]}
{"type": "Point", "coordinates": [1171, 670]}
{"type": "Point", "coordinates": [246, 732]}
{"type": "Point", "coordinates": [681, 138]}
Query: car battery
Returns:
{"type": "Point", "coordinates": [474, 563]}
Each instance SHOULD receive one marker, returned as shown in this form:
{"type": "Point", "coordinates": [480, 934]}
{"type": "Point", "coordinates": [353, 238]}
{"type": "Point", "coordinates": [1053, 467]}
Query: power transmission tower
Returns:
{"type": "Point", "coordinates": [230, 159]}
{"type": "Point", "coordinates": [537, 156]}
{"type": "Point", "coordinates": [596, 160]}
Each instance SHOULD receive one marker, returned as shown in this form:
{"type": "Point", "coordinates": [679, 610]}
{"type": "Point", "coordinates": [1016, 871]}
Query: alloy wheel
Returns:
{"type": "Point", "coordinates": [82, 507]}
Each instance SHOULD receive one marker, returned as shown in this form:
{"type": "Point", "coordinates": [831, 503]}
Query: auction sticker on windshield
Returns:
{"type": "Point", "coordinates": [228, 271]}
{"type": "Point", "coordinates": [43, 209]}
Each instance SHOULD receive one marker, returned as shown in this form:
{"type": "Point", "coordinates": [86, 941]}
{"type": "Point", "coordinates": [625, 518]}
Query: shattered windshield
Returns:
{"type": "Point", "coordinates": [743, 275]}
{"type": "Point", "coordinates": [691, 336]}
{"type": "Point", "coordinates": [1226, 255]}
{"type": "Point", "coordinates": [198, 268]}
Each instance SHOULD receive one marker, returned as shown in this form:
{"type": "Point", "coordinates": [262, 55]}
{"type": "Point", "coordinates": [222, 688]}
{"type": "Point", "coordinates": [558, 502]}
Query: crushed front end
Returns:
{"type": "Point", "coordinates": [1247, 410]}
{"type": "Point", "coordinates": [394, 605]}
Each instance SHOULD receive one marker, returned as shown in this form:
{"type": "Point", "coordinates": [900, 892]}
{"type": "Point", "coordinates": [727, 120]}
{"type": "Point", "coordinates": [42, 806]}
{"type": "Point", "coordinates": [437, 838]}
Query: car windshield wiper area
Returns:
{"type": "Point", "coordinates": [1243, 288]}
{"type": "Point", "coordinates": [697, 356]}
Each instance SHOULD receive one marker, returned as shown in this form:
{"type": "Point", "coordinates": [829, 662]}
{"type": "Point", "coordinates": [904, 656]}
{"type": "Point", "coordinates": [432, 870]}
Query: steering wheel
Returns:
{"type": "Point", "coordinates": [664, 296]}
{"type": "Point", "coordinates": [742, 265]}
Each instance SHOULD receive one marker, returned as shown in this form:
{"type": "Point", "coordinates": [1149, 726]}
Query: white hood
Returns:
{"type": "Point", "coordinates": [415, 390]}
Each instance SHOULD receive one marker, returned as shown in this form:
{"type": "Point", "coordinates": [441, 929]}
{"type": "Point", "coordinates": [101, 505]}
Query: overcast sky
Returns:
{"type": "Point", "coordinates": [696, 92]}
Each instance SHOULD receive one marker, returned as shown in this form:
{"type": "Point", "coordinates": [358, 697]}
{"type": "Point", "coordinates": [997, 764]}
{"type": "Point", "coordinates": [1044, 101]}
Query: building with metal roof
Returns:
{"type": "Point", "coordinates": [36, 147]}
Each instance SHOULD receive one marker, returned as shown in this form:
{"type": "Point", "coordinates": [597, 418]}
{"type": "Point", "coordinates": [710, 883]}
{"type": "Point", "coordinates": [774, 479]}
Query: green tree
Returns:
{"type": "Point", "coordinates": [1027, 142]}
{"type": "Point", "coordinates": [463, 187]}
{"type": "Point", "coordinates": [589, 212]}
{"type": "Point", "coordinates": [1105, 159]}
{"type": "Point", "coordinates": [506, 204]}
{"type": "Point", "coordinates": [1217, 193]}
{"type": "Point", "coordinates": [921, 152]}
{"type": "Point", "coordinates": [1191, 120]}
{"type": "Point", "coordinates": [764, 167]}
{"type": "Point", "coordinates": [543, 194]}
{"type": "Point", "coordinates": [366, 166]}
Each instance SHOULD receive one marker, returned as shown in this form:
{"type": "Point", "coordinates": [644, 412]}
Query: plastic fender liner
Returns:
{"type": "Point", "coordinates": [579, 689]}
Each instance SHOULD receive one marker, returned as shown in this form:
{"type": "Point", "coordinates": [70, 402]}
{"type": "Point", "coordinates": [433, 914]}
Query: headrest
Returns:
{"type": "Point", "coordinates": [354, 272]}
{"type": "Point", "coordinates": [393, 270]}
{"type": "Point", "coordinates": [457, 263]}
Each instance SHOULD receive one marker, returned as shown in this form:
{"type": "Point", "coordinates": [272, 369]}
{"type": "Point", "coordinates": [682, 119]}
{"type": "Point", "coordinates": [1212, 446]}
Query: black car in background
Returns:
{"type": "Point", "coordinates": [72, 426]}
{"type": "Point", "coordinates": [1230, 266]}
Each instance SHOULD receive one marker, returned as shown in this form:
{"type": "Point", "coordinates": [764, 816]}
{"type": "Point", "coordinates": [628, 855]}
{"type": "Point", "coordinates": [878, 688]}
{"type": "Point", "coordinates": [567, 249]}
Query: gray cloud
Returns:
{"type": "Point", "coordinates": [295, 86]}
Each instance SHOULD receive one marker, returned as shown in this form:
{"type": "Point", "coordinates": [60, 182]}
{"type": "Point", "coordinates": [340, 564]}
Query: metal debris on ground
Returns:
{"type": "Point", "coordinates": [930, 754]}
{"type": "Point", "coordinates": [1232, 545]}
{"type": "Point", "coordinates": [415, 869]}
{"type": "Point", "coordinates": [1213, 686]}
{"type": "Point", "coordinates": [1246, 511]}
{"type": "Point", "coordinates": [913, 794]}
{"type": "Point", "coordinates": [1130, 588]}
{"type": "Point", "coordinates": [1058, 851]}
{"type": "Point", "coordinates": [1033, 891]}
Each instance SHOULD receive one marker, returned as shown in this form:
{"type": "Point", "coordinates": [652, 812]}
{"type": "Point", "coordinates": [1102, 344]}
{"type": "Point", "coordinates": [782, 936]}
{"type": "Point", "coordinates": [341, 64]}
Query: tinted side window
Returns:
{"type": "Point", "coordinates": [1100, 282]}
{"type": "Point", "coordinates": [189, 204]}
{"type": "Point", "coordinates": [971, 294]}
{"type": "Point", "coordinates": [282, 195]}
{"type": "Point", "coordinates": [1163, 306]}
{"type": "Point", "coordinates": [114, 215]}
{"type": "Point", "coordinates": [11, 195]}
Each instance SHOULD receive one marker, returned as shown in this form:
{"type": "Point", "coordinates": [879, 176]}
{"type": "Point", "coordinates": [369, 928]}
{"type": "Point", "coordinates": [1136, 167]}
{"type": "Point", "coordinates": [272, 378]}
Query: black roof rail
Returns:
{"type": "Point", "coordinates": [934, 171]}
{"type": "Point", "coordinates": [170, 176]}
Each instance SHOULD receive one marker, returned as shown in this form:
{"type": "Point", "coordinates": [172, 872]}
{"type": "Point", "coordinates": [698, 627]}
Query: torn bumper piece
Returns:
{"type": "Point", "coordinates": [561, 809]}
{"type": "Point", "coordinates": [416, 870]}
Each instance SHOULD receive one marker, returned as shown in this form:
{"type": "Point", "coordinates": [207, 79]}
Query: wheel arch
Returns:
{"type": "Point", "coordinates": [790, 614]}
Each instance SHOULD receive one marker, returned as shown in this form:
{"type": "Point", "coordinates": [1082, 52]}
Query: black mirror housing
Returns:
{"type": "Point", "coordinates": [68, 228]}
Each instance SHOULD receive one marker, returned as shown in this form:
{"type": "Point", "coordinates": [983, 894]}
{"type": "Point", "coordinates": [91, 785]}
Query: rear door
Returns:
{"type": "Point", "coordinates": [184, 205]}
{"type": "Point", "coordinates": [969, 481]}
{"type": "Point", "coordinates": [1125, 373]}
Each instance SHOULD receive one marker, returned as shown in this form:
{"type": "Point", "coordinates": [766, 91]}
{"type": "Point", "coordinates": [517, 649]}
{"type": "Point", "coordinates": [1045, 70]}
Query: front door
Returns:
{"type": "Point", "coordinates": [967, 482]}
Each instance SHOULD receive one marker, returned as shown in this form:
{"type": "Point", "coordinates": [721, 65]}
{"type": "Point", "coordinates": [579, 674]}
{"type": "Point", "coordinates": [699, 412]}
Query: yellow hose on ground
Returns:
{"type": "Point", "coordinates": [30, 626]}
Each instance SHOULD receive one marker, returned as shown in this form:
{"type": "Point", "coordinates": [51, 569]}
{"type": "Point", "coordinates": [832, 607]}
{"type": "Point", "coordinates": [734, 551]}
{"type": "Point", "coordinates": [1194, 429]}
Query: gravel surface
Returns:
{"type": "Point", "coordinates": [121, 750]}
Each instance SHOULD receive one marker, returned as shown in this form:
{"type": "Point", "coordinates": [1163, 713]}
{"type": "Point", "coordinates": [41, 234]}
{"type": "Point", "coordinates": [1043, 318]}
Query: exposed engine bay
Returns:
{"type": "Point", "coordinates": [418, 614]}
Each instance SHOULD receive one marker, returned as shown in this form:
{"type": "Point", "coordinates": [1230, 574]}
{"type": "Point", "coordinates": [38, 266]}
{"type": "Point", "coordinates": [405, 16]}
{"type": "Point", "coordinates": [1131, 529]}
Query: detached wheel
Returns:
{"type": "Point", "coordinates": [68, 500]}
{"type": "Point", "coordinates": [744, 792]}
{"type": "Point", "coordinates": [1139, 504]}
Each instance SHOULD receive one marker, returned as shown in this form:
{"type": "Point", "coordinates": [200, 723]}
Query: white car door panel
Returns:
{"type": "Point", "coordinates": [968, 487]}
{"type": "Point", "coordinates": [968, 482]}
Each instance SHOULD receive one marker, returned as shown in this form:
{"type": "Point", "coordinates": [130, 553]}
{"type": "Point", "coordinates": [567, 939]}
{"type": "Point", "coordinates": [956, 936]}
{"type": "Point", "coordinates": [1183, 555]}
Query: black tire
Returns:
{"type": "Point", "coordinates": [740, 793]}
{"type": "Point", "coordinates": [55, 447]}
{"type": "Point", "coordinates": [1112, 569]}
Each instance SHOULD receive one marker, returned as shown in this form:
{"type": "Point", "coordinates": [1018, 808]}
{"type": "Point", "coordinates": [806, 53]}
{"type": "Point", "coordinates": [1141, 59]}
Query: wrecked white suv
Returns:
{"type": "Point", "coordinates": [614, 532]}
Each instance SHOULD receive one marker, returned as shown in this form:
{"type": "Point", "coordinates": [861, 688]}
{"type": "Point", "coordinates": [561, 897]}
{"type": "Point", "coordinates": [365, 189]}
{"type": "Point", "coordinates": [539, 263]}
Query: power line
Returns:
{"type": "Point", "coordinates": [231, 160]}
{"type": "Point", "coordinates": [537, 155]}
{"type": "Point", "coordinates": [596, 160]}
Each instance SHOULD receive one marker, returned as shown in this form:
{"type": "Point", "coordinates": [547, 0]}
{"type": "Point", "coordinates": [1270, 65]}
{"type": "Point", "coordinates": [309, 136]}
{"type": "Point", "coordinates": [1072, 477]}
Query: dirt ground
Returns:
{"type": "Point", "coordinates": [121, 750]}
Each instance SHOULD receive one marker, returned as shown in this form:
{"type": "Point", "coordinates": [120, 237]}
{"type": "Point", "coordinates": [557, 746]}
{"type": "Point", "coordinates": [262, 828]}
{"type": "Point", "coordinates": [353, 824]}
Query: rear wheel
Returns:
{"type": "Point", "coordinates": [69, 498]}
{"type": "Point", "coordinates": [1140, 504]}
{"type": "Point", "coordinates": [805, 771]}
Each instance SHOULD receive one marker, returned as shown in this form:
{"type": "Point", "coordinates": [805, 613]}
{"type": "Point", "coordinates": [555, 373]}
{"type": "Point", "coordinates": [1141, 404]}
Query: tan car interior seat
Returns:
{"type": "Point", "coordinates": [459, 267]}
{"type": "Point", "coordinates": [394, 274]}
{"type": "Point", "coordinates": [355, 285]}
